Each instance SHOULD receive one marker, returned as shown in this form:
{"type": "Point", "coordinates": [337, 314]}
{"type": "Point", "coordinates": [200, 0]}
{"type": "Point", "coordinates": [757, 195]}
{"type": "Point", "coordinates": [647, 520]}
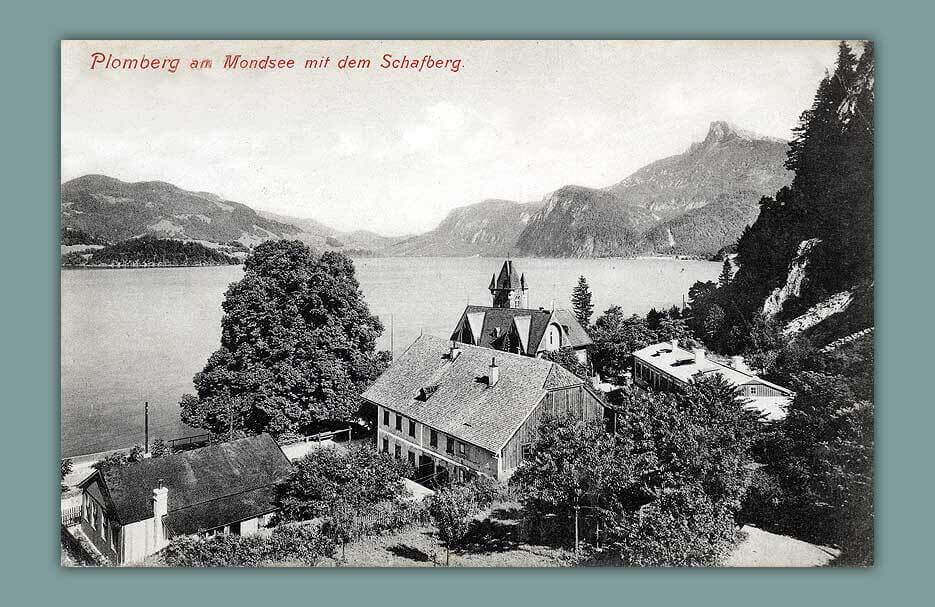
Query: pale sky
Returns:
{"type": "Point", "coordinates": [394, 150]}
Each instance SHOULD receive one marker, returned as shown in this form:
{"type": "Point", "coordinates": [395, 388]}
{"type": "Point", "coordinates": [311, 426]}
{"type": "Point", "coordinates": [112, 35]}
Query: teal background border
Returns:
{"type": "Point", "coordinates": [30, 299]}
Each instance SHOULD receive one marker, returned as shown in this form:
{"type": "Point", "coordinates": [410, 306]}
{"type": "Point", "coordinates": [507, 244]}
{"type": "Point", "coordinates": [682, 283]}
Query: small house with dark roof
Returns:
{"type": "Point", "coordinates": [665, 366]}
{"type": "Point", "coordinates": [455, 410]}
{"type": "Point", "coordinates": [131, 512]}
{"type": "Point", "coordinates": [510, 325]}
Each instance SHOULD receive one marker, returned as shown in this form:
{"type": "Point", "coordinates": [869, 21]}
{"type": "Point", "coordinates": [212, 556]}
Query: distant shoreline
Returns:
{"type": "Point", "coordinates": [147, 267]}
{"type": "Point", "coordinates": [212, 265]}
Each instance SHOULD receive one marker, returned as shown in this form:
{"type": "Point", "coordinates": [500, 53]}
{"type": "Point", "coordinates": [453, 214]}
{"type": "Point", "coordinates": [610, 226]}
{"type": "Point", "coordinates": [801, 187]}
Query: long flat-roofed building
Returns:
{"type": "Point", "coordinates": [665, 366]}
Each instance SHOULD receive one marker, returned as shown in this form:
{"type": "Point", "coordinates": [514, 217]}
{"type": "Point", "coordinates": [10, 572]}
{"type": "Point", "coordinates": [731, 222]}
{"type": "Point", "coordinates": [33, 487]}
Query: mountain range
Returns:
{"type": "Point", "coordinates": [694, 203]}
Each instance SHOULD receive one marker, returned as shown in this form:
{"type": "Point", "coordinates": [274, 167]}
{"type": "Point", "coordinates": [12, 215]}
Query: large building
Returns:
{"type": "Point", "coordinates": [133, 511]}
{"type": "Point", "coordinates": [510, 325]}
{"type": "Point", "coordinates": [665, 366]}
{"type": "Point", "coordinates": [455, 410]}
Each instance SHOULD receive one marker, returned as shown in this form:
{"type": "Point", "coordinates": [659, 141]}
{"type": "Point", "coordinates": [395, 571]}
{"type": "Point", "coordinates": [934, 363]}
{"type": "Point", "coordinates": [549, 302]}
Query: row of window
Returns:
{"type": "Point", "coordinates": [399, 423]}
{"type": "Point", "coordinates": [450, 444]}
{"type": "Point", "coordinates": [459, 473]}
{"type": "Point", "coordinates": [654, 378]}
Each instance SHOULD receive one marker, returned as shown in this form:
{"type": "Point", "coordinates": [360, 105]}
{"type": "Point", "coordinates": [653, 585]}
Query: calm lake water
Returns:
{"type": "Point", "coordinates": [136, 335]}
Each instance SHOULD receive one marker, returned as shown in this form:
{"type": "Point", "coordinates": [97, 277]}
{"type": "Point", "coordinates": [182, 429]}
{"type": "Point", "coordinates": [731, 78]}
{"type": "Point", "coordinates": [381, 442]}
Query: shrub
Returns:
{"type": "Point", "coordinates": [360, 477]}
{"type": "Point", "coordinates": [762, 505]}
{"type": "Point", "coordinates": [300, 542]}
{"type": "Point", "coordinates": [290, 542]}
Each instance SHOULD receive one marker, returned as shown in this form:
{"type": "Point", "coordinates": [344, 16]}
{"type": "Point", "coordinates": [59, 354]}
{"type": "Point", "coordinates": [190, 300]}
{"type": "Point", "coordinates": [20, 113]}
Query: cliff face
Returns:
{"type": "Point", "coordinates": [795, 280]}
{"type": "Point", "coordinates": [575, 221]}
{"type": "Point", "coordinates": [693, 203]}
{"type": "Point", "coordinates": [490, 228]}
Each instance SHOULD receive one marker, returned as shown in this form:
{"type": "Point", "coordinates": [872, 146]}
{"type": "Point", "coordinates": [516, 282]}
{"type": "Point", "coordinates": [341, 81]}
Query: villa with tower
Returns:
{"type": "Point", "coordinates": [471, 405]}
{"type": "Point", "coordinates": [510, 325]}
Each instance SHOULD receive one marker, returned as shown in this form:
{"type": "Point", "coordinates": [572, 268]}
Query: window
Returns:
{"type": "Point", "coordinates": [397, 451]}
{"type": "Point", "coordinates": [461, 449]}
{"type": "Point", "coordinates": [450, 445]}
{"type": "Point", "coordinates": [412, 458]}
{"type": "Point", "coordinates": [386, 446]}
{"type": "Point", "coordinates": [386, 417]}
{"type": "Point", "coordinates": [433, 439]}
{"type": "Point", "coordinates": [412, 428]}
{"type": "Point", "coordinates": [399, 422]}
{"type": "Point", "coordinates": [527, 451]}
{"type": "Point", "coordinates": [752, 390]}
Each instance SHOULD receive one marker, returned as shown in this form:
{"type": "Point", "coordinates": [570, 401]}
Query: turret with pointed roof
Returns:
{"type": "Point", "coordinates": [509, 289]}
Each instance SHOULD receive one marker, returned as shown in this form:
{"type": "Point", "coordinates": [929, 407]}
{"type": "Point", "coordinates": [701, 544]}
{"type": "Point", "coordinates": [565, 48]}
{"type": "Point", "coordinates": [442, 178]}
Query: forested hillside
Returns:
{"type": "Point", "coordinates": [813, 239]}
{"type": "Point", "coordinates": [148, 251]}
{"type": "Point", "coordinates": [808, 259]}
{"type": "Point", "coordinates": [112, 210]}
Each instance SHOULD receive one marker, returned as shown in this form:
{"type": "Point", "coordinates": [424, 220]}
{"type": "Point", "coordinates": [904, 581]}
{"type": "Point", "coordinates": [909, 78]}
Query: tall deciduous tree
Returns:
{"type": "Point", "coordinates": [581, 302]}
{"type": "Point", "coordinates": [297, 346]}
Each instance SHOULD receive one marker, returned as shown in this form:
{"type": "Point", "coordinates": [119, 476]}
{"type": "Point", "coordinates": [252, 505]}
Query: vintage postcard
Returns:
{"type": "Point", "coordinates": [467, 303]}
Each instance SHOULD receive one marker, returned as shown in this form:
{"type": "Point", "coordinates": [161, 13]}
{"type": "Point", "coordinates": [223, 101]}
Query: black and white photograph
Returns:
{"type": "Point", "coordinates": [467, 303]}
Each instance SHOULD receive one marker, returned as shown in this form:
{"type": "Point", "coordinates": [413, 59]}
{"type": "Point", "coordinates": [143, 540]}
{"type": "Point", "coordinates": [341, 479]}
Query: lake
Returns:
{"type": "Point", "coordinates": [136, 335]}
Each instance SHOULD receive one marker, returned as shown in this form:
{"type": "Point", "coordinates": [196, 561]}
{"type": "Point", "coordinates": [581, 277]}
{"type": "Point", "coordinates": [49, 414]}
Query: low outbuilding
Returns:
{"type": "Point", "coordinates": [130, 512]}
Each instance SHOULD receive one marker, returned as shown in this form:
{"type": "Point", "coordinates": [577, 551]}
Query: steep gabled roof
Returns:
{"type": "Point", "coordinates": [490, 326]}
{"type": "Point", "coordinates": [508, 279]}
{"type": "Point", "coordinates": [200, 482]}
{"type": "Point", "coordinates": [463, 404]}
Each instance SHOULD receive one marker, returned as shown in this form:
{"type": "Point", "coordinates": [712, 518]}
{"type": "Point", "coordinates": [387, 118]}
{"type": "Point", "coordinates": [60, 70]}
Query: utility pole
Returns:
{"type": "Point", "coordinates": [392, 338]}
{"type": "Point", "coordinates": [146, 428]}
{"type": "Point", "coordinates": [577, 508]}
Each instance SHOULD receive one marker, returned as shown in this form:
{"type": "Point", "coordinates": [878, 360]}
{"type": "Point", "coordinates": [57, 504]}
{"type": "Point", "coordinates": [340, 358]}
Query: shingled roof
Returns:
{"type": "Point", "coordinates": [208, 487]}
{"type": "Point", "coordinates": [508, 279]}
{"type": "Point", "coordinates": [490, 327]}
{"type": "Point", "coordinates": [461, 403]}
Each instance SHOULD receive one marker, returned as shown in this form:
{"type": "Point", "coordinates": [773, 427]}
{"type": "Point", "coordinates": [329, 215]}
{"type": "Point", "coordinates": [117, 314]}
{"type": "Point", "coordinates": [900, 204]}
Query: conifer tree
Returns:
{"type": "Point", "coordinates": [727, 272]}
{"type": "Point", "coordinates": [581, 302]}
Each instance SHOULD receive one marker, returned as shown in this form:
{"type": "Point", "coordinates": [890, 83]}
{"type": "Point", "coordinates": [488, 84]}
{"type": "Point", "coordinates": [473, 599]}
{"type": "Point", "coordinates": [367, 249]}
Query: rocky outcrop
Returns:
{"type": "Point", "coordinates": [833, 305]}
{"type": "Point", "coordinates": [795, 279]}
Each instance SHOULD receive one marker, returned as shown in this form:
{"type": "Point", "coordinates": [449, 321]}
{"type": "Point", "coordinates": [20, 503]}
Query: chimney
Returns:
{"type": "Point", "coordinates": [454, 351]}
{"type": "Point", "coordinates": [738, 363]}
{"type": "Point", "coordinates": [160, 500]}
{"type": "Point", "coordinates": [699, 355]}
{"type": "Point", "coordinates": [675, 345]}
{"type": "Point", "coordinates": [493, 373]}
{"type": "Point", "coordinates": [160, 508]}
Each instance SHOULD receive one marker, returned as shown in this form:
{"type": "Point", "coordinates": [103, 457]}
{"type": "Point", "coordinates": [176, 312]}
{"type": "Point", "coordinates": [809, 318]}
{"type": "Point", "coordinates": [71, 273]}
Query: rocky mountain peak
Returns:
{"type": "Point", "coordinates": [721, 131]}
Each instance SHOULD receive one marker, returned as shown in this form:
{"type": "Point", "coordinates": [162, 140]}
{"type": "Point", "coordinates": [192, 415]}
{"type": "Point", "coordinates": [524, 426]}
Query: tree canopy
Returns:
{"type": "Point", "coordinates": [358, 479]}
{"type": "Point", "coordinates": [665, 488]}
{"type": "Point", "coordinates": [297, 346]}
{"type": "Point", "coordinates": [616, 336]}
